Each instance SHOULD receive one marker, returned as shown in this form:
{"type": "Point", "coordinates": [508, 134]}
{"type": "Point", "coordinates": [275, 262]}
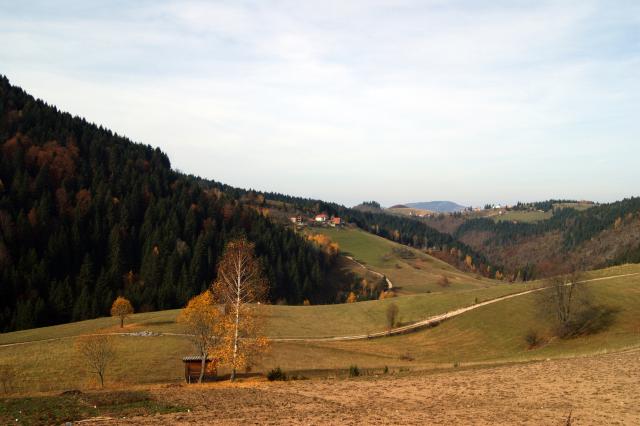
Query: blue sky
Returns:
{"type": "Point", "coordinates": [396, 101]}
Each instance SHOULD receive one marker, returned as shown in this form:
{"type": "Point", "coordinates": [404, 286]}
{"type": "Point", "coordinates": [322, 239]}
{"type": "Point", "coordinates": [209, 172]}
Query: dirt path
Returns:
{"type": "Point", "coordinates": [434, 320]}
{"type": "Point", "coordinates": [596, 390]}
{"type": "Point", "coordinates": [376, 273]}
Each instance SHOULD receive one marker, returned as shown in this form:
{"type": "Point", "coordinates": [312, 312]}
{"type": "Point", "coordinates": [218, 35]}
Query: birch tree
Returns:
{"type": "Point", "coordinates": [240, 284]}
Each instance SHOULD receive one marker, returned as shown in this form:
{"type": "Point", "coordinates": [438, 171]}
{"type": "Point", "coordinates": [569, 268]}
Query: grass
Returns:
{"type": "Point", "coordinates": [493, 333]}
{"type": "Point", "coordinates": [522, 216]}
{"type": "Point", "coordinates": [70, 407]}
{"type": "Point", "coordinates": [531, 216]}
{"type": "Point", "coordinates": [418, 274]}
{"type": "Point", "coordinates": [409, 211]}
{"type": "Point", "coordinates": [496, 333]}
{"type": "Point", "coordinates": [285, 321]}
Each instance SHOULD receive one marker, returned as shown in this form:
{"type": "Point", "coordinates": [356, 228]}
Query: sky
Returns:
{"type": "Point", "coordinates": [394, 101]}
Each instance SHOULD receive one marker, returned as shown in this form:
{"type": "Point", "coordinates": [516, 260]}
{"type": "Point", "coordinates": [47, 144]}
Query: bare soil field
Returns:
{"type": "Point", "coordinates": [596, 390]}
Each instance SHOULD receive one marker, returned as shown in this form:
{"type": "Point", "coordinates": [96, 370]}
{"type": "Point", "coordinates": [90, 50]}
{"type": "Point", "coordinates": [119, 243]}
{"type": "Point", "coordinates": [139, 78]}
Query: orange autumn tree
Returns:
{"type": "Point", "coordinates": [121, 308]}
{"type": "Point", "coordinates": [325, 243]}
{"type": "Point", "coordinates": [203, 321]}
{"type": "Point", "coordinates": [240, 286]}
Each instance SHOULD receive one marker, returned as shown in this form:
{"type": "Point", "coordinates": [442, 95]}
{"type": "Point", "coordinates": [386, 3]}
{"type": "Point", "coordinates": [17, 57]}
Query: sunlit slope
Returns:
{"type": "Point", "coordinates": [496, 332]}
{"type": "Point", "coordinates": [410, 270]}
{"type": "Point", "coordinates": [289, 321]}
{"type": "Point", "coordinates": [493, 333]}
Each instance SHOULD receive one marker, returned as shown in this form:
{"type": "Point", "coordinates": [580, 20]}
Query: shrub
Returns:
{"type": "Point", "coordinates": [388, 294]}
{"type": "Point", "coordinates": [444, 281]}
{"type": "Point", "coordinates": [404, 253]}
{"type": "Point", "coordinates": [532, 338]}
{"type": "Point", "coordinates": [276, 375]}
{"type": "Point", "coordinates": [590, 320]}
{"type": "Point", "coordinates": [386, 370]}
{"type": "Point", "coordinates": [406, 357]}
{"type": "Point", "coordinates": [354, 371]}
{"type": "Point", "coordinates": [392, 315]}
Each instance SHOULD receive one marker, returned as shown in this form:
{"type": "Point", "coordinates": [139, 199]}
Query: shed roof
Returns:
{"type": "Point", "coordinates": [195, 358]}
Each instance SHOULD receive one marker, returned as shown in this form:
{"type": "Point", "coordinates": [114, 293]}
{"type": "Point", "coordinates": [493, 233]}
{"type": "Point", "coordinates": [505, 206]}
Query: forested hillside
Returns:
{"type": "Point", "coordinates": [602, 235]}
{"type": "Point", "coordinates": [401, 229]}
{"type": "Point", "coordinates": [86, 215]}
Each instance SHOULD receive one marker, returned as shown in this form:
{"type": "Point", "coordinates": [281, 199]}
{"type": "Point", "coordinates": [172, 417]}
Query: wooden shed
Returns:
{"type": "Point", "coordinates": [192, 365]}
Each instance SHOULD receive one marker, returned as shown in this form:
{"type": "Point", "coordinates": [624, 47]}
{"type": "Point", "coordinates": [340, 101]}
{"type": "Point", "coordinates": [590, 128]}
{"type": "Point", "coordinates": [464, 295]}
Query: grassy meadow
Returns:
{"type": "Point", "coordinates": [493, 333]}
{"type": "Point", "coordinates": [411, 271]}
{"type": "Point", "coordinates": [522, 216]}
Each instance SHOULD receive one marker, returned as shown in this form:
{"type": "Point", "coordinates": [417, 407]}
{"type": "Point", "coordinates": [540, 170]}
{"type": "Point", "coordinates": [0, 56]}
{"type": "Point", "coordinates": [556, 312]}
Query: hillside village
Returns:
{"type": "Point", "coordinates": [321, 219]}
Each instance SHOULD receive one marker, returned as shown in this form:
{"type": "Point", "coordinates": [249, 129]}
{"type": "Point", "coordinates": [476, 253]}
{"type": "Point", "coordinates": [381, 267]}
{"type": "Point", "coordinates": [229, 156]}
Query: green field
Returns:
{"type": "Point", "coordinates": [527, 216]}
{"type": "Point", "coordinates": [419, 273]}
{"type": "Point", "coordinates": [522, 216]}
{"type": "Point", "coordinates": [493, 333]}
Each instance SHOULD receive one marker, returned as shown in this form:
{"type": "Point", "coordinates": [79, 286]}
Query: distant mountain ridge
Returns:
{"type": "Point", "coordinates": [437, 206]}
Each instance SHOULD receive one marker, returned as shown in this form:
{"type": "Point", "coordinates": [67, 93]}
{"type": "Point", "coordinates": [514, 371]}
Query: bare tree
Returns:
{"type": "Point", "coordinates": [574, 307]}
{"type": "Point", "coordinates": [392, 315]}
{"type": "Point", "coordinates": [98, 352]}
{"type": "Point", "coordinates": [565, 290]}
{"type": "Point", "coordinates": [240, 283]}
{"type": "Point", "coordinates": [203, 321]}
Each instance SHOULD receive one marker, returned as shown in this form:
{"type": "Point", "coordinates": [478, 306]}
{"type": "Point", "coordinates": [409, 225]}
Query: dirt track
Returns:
{"type": "Point", "coordinates": [434, 320]}
{"type": "Point", "coordinates": [597, 390]}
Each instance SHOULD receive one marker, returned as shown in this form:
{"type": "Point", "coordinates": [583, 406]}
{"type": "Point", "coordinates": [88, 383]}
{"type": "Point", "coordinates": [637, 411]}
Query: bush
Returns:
{"type": "Point", "coordinates": [444, 281]}
{"type": "Point", "coordinates": [590, 320]}
{"type": "Point", "coordinates": [354, 371]}
{"type": "Point", "coordinates": [532, 338]}
{"type": "Point", "coordinates": [392, 315]}
{"type": "Point", "coordinates": [404, 253]}
{"type": "Point", "coordinates": [277, 375]}
{"type": "Point", "coordinates": [406, 357]}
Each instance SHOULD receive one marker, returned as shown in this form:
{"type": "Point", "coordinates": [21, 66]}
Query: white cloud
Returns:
{"type": "Point", "coordinates": [398, 101]}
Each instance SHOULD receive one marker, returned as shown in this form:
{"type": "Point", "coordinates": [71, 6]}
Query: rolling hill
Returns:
{"type": "Point", "coordinates": [490, 334]}
{"type": "Point", "coordinates": [437, 206]}
{"type": "Point", "coordinates": [531, 243]}
{"type": "Point", "coordinates": [410, 270]}
{"type": "Point", "coordinates": [86, 215]}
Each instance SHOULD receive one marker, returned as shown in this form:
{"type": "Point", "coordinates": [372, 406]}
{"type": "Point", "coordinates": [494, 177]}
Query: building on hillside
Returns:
{"type": "Point", "coordinates": [296, 220]}
{"type": "Point", "coordinates": [192, 366]}
{"type": "Point", "coordinates": [336, 221]}
{"type": "Point", "coordinates": [322, 217]}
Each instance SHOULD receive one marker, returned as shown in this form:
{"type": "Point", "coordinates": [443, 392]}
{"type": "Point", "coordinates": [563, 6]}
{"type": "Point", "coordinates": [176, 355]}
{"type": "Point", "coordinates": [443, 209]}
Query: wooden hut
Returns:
{"type": "Point", "coordinates": [192, 366]}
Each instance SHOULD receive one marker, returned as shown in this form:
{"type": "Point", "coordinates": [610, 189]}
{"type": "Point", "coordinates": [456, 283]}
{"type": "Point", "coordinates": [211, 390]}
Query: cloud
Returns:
{"type": "Point", "coordinates": [398, 101]}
